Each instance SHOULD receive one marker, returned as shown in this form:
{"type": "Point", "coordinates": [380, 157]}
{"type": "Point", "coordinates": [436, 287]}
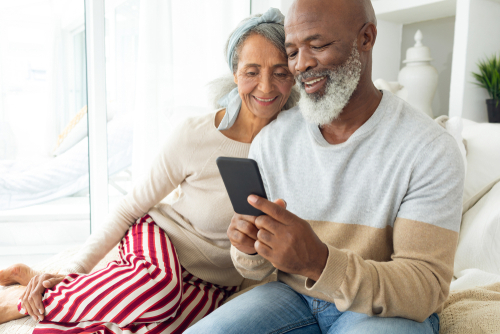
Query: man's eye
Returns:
{"type": "Point", "coordinates": [292, 55]}
{"type": "Point", "coordinates": [318, 47]}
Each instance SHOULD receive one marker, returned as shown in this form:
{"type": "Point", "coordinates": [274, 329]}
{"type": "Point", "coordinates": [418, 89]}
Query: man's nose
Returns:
{"type": "Point", "coordinates": [304, 62]}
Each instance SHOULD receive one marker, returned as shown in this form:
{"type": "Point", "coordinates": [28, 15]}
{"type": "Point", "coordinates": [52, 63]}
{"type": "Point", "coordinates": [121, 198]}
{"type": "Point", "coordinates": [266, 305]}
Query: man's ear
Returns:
{"type": "Point", "coordinates": [368, 36]}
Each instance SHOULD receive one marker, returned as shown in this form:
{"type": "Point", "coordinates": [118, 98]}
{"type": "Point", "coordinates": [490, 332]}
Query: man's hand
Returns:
{"type": "Point", "coordinates": [287, 241]}
{"type": "Point", "coordinates": [242, 231]}
{"type": "Point", "coordinates": [31, 299]}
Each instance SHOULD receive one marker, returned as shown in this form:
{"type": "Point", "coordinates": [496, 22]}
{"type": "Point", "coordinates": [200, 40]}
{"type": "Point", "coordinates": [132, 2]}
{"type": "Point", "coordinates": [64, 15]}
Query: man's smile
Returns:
{"type": "Point", "coordinates": [312, 85]}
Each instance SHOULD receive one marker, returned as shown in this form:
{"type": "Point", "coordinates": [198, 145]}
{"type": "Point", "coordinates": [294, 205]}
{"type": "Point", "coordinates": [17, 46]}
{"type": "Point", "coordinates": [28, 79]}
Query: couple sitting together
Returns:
{"type": "Point", "coordinates": [362, 223]}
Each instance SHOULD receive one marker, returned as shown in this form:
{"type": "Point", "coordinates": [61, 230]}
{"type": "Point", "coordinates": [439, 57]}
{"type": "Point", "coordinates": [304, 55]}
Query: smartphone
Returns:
{"type": "Point", "coordinates": [242, 179]}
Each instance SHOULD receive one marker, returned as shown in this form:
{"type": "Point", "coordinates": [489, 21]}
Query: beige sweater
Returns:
{"type": "Point", "coordinates": [195, 215]}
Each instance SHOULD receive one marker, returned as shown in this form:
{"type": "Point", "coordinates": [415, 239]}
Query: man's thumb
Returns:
{"type": "Point", "coordinates": [281, 202]}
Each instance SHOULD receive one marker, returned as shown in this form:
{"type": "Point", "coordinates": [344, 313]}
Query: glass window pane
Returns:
{"type": "Point", "coordinates": [44, 202]}
{"type": "Point", "coordinates": [160, 56]}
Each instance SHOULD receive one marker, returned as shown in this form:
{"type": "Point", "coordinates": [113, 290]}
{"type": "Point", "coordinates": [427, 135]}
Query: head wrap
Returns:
{"type": "Point", "coordinates": [232, 101]}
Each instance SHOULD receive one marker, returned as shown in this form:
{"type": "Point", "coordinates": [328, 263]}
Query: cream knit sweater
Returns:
{"type": "Point", "coordinates": [195, 215]}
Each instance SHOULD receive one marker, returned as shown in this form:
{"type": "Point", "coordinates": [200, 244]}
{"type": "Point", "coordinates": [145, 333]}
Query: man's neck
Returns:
{"type": "Point", "coordinates": [363, 103]}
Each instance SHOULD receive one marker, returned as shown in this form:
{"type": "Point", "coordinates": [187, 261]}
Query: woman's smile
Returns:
{"type": "Point", "coordinates": [264, 101]}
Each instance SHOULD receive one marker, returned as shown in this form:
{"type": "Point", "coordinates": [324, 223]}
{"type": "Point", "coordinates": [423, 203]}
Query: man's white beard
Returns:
{"type": "Point", "coordinates": [341, 83]}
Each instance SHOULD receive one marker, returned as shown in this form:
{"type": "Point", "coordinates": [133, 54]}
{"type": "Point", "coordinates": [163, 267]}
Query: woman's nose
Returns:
{"type": "Point", "coordinates": [266, 84]}
{"type": "Point", "coordinates": [304, 62]}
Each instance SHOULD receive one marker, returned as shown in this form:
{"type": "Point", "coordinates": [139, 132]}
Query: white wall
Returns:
{"type": "Point", "coordinates": [438, 36]}
{"type": "Point", "coordinates": [387, 51]}
{"type": "Point", "coordinates": [261, 6]}
{"type": "Point", "coordinates": [477, 35]}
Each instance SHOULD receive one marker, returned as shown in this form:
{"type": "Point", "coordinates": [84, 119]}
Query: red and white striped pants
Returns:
{"type": "Point", "coordinates": [146, 292]}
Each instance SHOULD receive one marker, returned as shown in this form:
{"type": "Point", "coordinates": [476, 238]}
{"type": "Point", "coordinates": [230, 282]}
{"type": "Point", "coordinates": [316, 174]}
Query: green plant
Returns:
{"type": "Point", "coordinates": [489, 78]}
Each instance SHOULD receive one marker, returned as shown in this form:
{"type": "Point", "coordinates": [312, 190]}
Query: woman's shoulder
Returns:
{"type": "Point", "coordinates": [188, 131]}
{"type": "Point", "coordinates": [193, 120]}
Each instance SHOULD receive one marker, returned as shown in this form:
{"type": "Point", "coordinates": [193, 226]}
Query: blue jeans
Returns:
{"type": "Point", "coordinates": [276, 308]}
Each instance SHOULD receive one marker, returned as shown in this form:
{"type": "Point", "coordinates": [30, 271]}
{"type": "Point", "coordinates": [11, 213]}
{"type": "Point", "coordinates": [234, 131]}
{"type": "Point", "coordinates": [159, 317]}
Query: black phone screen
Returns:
{"type": "Point", "coordinates": [241, 178]}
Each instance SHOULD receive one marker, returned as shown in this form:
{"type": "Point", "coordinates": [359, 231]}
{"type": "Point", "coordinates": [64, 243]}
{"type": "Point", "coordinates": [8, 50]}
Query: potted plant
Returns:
{"type": "Point", "coordinates": [489, 78]}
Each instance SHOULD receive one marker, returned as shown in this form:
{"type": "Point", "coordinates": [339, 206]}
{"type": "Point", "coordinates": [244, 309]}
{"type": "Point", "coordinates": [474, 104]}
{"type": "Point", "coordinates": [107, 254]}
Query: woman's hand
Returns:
{"type": "Point", "coordinates": [31, 299]}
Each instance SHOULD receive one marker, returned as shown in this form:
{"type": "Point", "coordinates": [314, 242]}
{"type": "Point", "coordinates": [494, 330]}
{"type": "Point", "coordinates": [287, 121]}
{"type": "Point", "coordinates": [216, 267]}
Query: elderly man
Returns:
{"type": "Point", "coordinates": [373, 190]}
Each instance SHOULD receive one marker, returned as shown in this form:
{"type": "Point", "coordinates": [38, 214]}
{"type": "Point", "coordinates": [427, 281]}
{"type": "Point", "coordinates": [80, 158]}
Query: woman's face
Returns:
{"type": "Point", "coordinates": [263, 79]}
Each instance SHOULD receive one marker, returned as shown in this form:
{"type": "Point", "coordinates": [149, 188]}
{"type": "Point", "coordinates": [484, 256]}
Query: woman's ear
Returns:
{"type": "Point", "coordinates": [235, 78]}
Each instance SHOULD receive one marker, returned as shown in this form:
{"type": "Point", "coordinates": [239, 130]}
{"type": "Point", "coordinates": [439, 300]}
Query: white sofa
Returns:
{"type": "Point", "coordinates": [477, 261]}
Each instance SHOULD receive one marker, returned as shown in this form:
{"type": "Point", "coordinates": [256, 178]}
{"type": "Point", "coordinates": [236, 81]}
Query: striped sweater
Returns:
{"type": "Point", "coordinates": [387, 203]}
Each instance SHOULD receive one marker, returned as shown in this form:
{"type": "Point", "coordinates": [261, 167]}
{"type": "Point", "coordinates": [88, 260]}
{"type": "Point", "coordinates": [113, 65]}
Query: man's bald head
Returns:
{"type": "Point", "coordinates": [351, 12]}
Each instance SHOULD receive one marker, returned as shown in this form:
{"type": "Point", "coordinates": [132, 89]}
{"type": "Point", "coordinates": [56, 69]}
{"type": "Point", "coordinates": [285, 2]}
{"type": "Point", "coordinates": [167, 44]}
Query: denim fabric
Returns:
{"type": "Point", "coordinates": [275, 308]}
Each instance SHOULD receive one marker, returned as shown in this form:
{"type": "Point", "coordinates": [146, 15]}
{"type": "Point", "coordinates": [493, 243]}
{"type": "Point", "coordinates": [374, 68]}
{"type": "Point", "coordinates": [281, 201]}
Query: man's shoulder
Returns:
{"type": "Point", "coordinates": [276, 138]}
{"type": "Point", "coordinates": [286, 122]}
{"type": "Point", "coordinates": [412, 126]}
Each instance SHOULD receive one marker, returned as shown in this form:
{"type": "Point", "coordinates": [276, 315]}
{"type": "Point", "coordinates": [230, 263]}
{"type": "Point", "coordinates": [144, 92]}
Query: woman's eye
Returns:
{"type": "Point", "coordinates": [281, 75]}
{"type": "Point", "coordinates": [251, 74]}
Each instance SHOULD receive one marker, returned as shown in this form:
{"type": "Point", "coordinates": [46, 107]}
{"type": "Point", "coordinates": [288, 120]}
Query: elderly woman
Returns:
{"type": "Point", "coordinates": [175, 265]}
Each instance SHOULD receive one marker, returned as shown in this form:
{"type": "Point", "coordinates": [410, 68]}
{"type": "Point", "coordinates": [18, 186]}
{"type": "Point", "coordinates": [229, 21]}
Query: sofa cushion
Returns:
{"type": "Point", "coordinates": [483, 160]}
{"type": "Point", "coordinates": [478, 245]}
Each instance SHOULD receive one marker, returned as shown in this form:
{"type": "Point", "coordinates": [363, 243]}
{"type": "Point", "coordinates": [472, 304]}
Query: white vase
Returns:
{"type": "Point", "coordinates": [419, 77]}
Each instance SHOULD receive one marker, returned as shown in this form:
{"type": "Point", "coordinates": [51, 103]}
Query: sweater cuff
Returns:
{"type": "Point", "coordinates": [245, 260]}
{"type": "Point", "coordinates": [333, 274]}
{"type": "Point", "coordinates": [72, 268]}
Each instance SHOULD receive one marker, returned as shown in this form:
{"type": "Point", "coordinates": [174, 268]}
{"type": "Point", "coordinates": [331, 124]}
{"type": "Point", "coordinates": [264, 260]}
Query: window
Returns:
{"type": "Point", "coordinates": [159, 56]}
{"type": "Point", "coordinates": [44, 202]}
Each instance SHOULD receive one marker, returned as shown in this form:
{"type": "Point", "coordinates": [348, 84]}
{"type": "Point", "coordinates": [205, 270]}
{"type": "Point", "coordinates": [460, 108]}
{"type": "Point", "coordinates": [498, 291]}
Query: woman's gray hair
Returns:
{"type": "Point", "coordinates": [274, 33]}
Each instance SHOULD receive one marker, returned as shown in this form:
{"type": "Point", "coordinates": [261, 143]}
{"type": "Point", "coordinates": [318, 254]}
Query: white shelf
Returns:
{"type": "Point", "coordinates": [410, 11]}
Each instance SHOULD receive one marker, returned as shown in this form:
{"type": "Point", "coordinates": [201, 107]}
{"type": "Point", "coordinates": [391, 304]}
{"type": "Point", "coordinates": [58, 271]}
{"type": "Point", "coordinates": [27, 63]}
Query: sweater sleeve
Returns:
{"type": "Point", "coordinates": [253, 266]}
{"type": "Point", "coordinates": [415, 283]}
{"type": "Point", "coordinates": [168, 170]}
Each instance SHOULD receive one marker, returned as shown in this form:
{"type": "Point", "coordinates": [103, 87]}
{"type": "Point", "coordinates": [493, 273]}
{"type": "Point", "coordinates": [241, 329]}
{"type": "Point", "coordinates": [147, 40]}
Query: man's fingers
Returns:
{"type": "Point", "coordinates": [267, 223]}
{"type": "Point", "coordinates": [239, 239]}
{"type": "Point", "coordinates": [247, 228]}
{"type": "Point", "coordinates": [265, 237]}
{"type": "Point", "coordinates": [264, 250]}
{"type": "Point", "coordinates": [250, 219]}
{"type": "Point", "coordinates": [271, 209]}
{"type": "Point", "coordinates": [281, 202]}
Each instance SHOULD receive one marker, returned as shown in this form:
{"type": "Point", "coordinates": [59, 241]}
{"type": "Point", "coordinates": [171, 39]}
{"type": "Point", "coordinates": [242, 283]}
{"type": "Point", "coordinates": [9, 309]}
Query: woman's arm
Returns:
{"type": "Point", "coordinates": [168, 170]}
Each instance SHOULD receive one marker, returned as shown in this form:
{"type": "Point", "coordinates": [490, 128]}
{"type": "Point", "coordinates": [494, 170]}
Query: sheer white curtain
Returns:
{"type": "Point", "coordinates": [181, 46]}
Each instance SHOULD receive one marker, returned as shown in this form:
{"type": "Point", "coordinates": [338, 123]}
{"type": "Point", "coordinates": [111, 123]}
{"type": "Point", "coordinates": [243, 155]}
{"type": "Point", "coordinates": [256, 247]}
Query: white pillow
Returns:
{"type": "Point", "coordinates": [483, 160]}
{"type": "Point", "coordinates": [479, 243]}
